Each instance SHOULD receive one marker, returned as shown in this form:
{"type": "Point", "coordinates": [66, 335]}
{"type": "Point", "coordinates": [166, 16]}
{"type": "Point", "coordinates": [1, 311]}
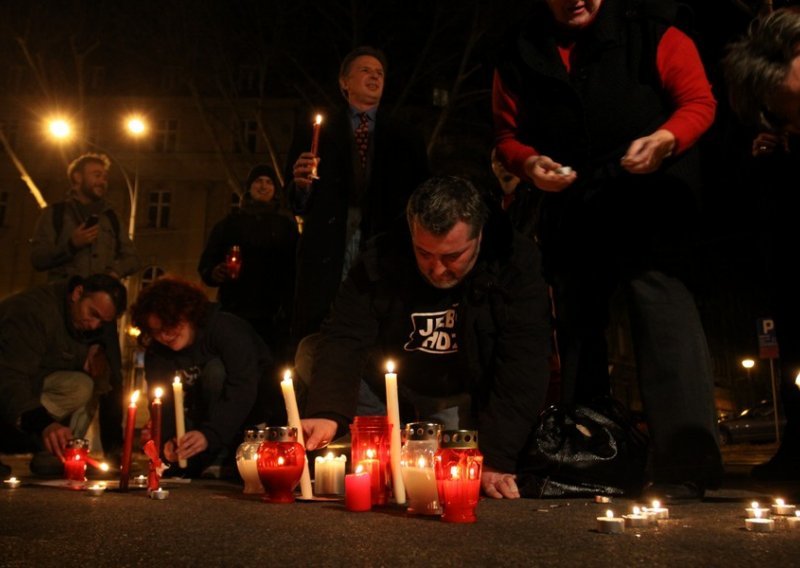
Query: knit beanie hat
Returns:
{"type": "Point", "coordinates": [257, 172]}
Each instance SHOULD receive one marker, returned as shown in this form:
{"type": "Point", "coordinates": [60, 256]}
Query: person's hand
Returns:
{"type": "Point", "coordinates": [543, 171]}
{"type": "Point", "coordinates": [55, 438]}
{"type": "Point", "coordinates": [304, 168]}
{"type": "Point", "coordinates": [191, 444]}
{"type": "Point", "coordinates": [220, 273]}
{"type": "Point", "coordinates": [499, 485]}
{"type": "Point", "coordinates": [766, 143]}
{"type": "Point", "coordinates": [82, 236]}
{"type": "Point", "coordinates": [318, 432]}
{"type": "Point", "coordinates": [645, 155]}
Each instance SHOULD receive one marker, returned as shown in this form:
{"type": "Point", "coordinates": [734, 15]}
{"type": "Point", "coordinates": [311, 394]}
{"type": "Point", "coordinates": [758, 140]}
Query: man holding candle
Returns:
{"type": "Point", "coordinates": [222, 363]}
{"type": "Point", "coordinates": [367, 164]}
{"type": "Point", "coordinates": [456, 299]}
{"type": "Point", "coordinates": [45, 370]}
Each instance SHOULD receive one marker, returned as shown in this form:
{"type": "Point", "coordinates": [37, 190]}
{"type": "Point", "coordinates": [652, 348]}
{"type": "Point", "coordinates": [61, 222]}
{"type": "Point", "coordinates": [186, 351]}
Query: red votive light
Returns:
{"type": "Point", "coordinates": [281, 460]}
{"type": "Point", "coordinates": [458, 475]}
{"type": "Point", "coordinates": [370, 448]}
{"type": "Point", "coordinates": [75, 460]}
{"type": "Point", "coordinates": [357, 491]}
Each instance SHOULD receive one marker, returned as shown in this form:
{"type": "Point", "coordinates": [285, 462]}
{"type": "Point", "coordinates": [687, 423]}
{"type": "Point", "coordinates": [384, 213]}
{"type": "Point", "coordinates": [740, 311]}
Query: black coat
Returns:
{"type": "Point", "coordinates": [502, 329]}
{"type": "Point", "coordinates": [397, 164]}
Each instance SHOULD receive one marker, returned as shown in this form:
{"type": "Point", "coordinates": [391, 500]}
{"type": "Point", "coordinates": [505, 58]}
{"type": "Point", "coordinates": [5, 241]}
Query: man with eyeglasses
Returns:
{"type": "Point", "coordinates": [46, 371]}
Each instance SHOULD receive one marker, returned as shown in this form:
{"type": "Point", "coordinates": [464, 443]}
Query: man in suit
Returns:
{"type": "Point", "coordinates": [367, 165]}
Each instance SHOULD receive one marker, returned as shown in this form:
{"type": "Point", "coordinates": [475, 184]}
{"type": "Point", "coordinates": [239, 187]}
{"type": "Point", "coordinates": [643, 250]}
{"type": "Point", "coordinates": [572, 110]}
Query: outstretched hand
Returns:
{"type": "Point", "coordinates": [499, 485]}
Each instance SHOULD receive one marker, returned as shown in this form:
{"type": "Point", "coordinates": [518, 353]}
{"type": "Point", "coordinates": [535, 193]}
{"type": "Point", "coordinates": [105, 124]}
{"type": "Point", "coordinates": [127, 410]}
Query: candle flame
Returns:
{"type": "Point", "coordinates": [454, 472]}
{"type": "Point", "coordinates": [421, 462]}
{"type": "Point", "coordinates": [757, 513]}
{"type": "Point", "coordinates": [390, 366]}
{"type": "Point", "coordinates": [329, 456]}
{"type": "Point", "coordinates": [754, 505]}
{"type": "Point", "coordinates": [637, 511]}
{"type": "Point", "coordinates": [797, 513]}
{"type": "Point", "coordinates": [371, 453]}
{"type": "Point", "coordinates": [797, 380]}
{"type": "Point", "coordinates": [780, 502]}
{"type": "Point", "coordinates": [609, 514]}
{"type": "Point", "coordinates": [134, 397]}
{"type": "Point", "coordinates": [359, 468]}
{"type": "Point", "coordinates": [281, 460]}
{"type": "Point", "coordinates": [159, 393]}
{"type": "Point", "coordinates": [656, 504]}
{"type": "Point", "coordinates": [12, 479]}
{"type": "Point", "coordinates": [176, 380]}
{"type": "Point", "coordinates": [318, 119]}
{"type": "Point", "coordinates": [287, 376]}
{"type": "Point", "coordinates": [104, 466]}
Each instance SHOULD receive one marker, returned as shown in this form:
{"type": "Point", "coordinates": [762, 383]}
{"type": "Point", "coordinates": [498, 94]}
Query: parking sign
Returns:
{"type": "Point", "coordinates": [767, 340]}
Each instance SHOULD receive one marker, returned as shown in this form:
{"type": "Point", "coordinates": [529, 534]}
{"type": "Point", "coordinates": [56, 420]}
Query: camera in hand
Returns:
{"type": "Point", "coordinates": [91, 221]}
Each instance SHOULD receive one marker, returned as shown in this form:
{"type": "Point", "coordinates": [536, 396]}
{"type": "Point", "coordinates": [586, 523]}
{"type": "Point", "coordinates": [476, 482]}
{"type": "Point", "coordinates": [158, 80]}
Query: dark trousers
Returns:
{"type": "Point", "coordinates": [672, 359]}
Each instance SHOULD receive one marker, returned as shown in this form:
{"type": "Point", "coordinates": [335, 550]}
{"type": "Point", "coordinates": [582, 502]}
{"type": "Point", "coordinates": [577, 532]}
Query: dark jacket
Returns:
{"type": "Point", "coordinates": [246, 359]}
{"type": "Point", "coordinates": [37, 338]}
{"type": "Point", "coordinates": [397, 163]}
{"type": "Point", "coordinates": [263, 292]}
{"type": "Point", "coordinates": [502, 329]}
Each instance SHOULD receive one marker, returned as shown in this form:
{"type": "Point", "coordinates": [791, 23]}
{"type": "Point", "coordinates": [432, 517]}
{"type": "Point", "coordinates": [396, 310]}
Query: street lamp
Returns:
{"type": "Point", "coordinates": [748, 365]}
{"type": "Point", "coordinates": [136, 127]}
{"type": "Point", "coordinates": [60, 129]}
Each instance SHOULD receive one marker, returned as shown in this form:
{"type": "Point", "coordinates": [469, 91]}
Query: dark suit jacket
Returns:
{"type": "Point", "coordinates": [397, 164]}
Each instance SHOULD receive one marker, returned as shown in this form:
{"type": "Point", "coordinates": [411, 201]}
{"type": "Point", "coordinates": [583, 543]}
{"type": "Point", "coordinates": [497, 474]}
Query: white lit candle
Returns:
{"type": "Point", "coordinates": [793, 522]}
{"type": "Point", "coordinates": [780, 507]}
{"type": "Point", "coordinates": [140, 481]}
{"type": "Point", "coordinates": [393, 411]}
{"type": "Point", "coordinates": [637, 519]}
{"type": "Point", "coordinates": [329, 474]}
{"type": "Point", "coordinates": [657, 511]}
{"type": "Point", "coordinates": [610, 524]}
{"type": "Point", "coordinates": [180, 422]}
{"type": "Point", "coordinates": [159, 494]}
{"type": "Point", "coordinates": [759, 523]}
{"type": "Point", "coordinates": [12, 482]}
{"type": "Point", "coordinates": [293, 417]}
{"type": "Point", "coordinates": [420, 483]}
{"type": "Point", "coordinates": [754, 510]}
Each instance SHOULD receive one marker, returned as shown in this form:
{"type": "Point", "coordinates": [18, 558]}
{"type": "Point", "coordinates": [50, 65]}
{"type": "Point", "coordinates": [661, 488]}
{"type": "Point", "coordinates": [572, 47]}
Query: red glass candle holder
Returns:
{"type": "Point", "coordinates": [458, 475]}
{"type": "Point", "coordinates": [75, 460]}
{"type": "Point", "coordinates": [281, 460]}
{"type": "Point", "coordinates": [369, 438]}
{"type": "Point", "coordinates": [233, 262]}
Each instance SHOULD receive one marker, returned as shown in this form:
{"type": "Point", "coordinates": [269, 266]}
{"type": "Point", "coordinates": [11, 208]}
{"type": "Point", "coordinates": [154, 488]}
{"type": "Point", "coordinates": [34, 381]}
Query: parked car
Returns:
{"type": "Point", "coordinates": [756, 424]}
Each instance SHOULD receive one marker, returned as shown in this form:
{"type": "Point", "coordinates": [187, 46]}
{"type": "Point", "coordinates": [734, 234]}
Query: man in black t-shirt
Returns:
{"type": "Point", "coordinates": [463, 311]}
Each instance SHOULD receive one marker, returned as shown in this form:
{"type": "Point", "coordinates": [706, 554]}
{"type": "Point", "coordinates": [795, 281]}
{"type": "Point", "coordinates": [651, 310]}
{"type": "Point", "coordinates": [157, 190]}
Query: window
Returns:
{"type": "Point", "coordinates": [3, 207]}
{"type": "Point", "coordinates": [150, 275]}
{"type": "Point", "coordinates": [158, 209]}
{"type": "Point", "coordinates": [166, 136]}
{"type": "Point", "coordinates": [247, 138]}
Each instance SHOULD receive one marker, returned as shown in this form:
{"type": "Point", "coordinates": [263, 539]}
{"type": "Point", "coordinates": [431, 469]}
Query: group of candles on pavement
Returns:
{"type": "Point", "coordinates": [438, 471]}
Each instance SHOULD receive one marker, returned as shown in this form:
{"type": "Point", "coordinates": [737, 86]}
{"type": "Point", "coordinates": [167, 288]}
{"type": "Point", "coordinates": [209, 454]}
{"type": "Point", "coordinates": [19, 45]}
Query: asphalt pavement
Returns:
{"type": "Point", "coordinates": [211, 523]}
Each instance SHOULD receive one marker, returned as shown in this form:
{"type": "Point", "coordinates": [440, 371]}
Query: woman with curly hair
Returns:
{"type": "Point", "coordinates": [223, 364]}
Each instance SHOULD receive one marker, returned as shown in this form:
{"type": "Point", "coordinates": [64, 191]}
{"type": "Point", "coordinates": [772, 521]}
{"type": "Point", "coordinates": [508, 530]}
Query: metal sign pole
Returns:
{"type": "Point", "coordinates": [775, 400]}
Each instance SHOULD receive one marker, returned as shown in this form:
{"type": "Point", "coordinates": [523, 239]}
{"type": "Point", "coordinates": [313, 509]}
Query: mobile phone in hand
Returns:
{"type": "Point", "coordinates": [91, 221]}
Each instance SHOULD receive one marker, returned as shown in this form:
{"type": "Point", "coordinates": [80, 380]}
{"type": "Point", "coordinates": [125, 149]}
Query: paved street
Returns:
{"type": "Point", "coordinates": [210, 523]}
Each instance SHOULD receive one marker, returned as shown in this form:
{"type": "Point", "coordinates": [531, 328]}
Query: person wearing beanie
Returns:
{"type": "Point", "coordinates": [261, 293]}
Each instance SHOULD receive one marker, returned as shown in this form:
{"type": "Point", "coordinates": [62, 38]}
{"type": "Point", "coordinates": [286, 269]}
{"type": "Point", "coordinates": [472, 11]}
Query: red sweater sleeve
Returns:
{"type": "Point", "coordinates": [505, 109]}
{"type": "Point", "coordinates": [684, 79]}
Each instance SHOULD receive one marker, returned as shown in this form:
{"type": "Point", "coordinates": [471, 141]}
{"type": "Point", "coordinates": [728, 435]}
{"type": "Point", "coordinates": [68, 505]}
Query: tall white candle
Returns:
{"type": "Point", "coordinates": [293, 417]}
{"type": "Point", "coordinates": [393, 411]}
{"type": "Point", "coordinates": [180, 423]}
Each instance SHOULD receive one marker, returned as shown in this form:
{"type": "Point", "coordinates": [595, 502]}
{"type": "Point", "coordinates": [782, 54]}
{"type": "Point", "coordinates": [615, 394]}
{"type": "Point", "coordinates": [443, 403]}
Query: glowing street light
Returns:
{"type": "Point", "coordinates": [59, 128]}
{"type": "Point", "coordinates": [135, 125]}
{"type": "Point", "coordinates": [748, 364]}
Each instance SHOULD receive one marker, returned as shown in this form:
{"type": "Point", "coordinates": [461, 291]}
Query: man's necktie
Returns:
{"type": "Point", "coordinates": [362, 138]}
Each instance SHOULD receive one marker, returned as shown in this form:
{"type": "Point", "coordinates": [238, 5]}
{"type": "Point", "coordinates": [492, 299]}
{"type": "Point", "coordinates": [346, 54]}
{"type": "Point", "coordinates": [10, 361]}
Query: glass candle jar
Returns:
{"type": "Point", "coordinates": [233, 262]}
{"type": "Point", "coordinates": [247, 460]}
{"type": "Point", "coordinates": [281, 460]}
{"type": "Point", "coordinates": [420, 443]}
{"type": "Point", "coordinates": [75, 457]}
{"type": "Point", "coordinates": [369, 437]}
{"type": "Point", "coordinates": [458, 475]}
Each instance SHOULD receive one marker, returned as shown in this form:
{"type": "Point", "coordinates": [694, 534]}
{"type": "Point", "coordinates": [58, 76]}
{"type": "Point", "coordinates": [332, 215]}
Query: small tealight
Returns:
{"type": "Point", "coordinates": [12, 482]}
{"type": "Point", "coordinates": [754, 511]}
{"type": "Point", "coordinates": [793, 522]}
{"type": "Point", "coordinates": [564, 170]}
{"type": "Point", "coordinates": [657, 512]}
{"type": "Point", "coordinates": [159, 494]}
{"type": "Point", "coordinates": [779, 507]}
{"type": "Point", "coordinates": [637, 519]}
{"type": "Point", "coordinates": [610, 524]}
{"type": "Point", "coordinates": [759, 524]}
{"type": "Point", "coordinates": [95, 490]}
{"type": "Point", "coordinates": [140, 481]}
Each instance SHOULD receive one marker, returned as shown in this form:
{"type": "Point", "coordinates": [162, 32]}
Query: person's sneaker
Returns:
{"type": "Point", "coordinates": [45, 464]}
{"type": "Point", "coordinates": [5, 470]}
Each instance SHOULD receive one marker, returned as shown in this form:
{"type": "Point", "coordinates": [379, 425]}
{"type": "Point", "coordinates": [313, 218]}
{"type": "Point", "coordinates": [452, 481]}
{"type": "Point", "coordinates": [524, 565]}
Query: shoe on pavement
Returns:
{"type": "Point", "coordinates": [45, 464]}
